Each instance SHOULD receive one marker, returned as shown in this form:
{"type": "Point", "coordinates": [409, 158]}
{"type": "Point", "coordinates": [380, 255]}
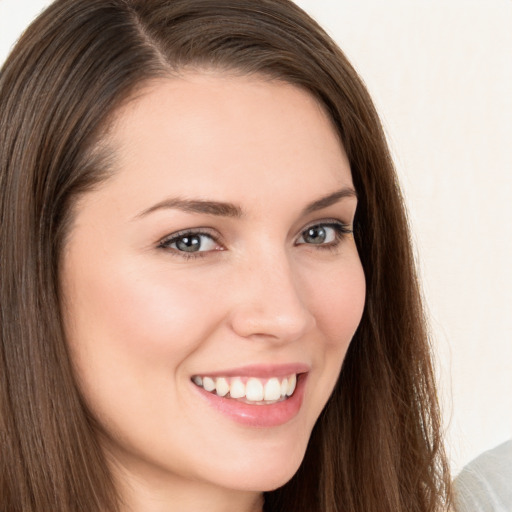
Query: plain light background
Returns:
{"type": "Point", "coordinates": [440, 73]}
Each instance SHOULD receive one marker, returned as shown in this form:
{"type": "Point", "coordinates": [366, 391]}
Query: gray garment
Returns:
{"type": "Point", "coordinates": [485, 484]}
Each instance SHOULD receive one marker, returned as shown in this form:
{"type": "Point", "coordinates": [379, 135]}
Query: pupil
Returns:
{"type": "Point", "coordinates": [189, 243]}
{"type": "Point", "coordinates": [315, 235]}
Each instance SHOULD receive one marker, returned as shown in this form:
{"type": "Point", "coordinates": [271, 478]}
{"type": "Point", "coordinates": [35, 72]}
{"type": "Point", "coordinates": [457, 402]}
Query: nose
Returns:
{"type": "Point", "coordinates": [269, 302]}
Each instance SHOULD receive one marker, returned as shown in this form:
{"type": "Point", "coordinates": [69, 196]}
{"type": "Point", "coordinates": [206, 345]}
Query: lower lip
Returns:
{"type": "Point", "coordinates": [271, 415]}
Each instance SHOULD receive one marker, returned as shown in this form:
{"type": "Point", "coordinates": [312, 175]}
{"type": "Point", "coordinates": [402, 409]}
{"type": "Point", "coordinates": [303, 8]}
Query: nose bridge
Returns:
{"type": "Point", "coordinates": [270, 303]}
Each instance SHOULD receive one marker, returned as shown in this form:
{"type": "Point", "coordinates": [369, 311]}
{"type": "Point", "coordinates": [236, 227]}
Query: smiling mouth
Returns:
{"type": "Point", "coordinates": [249, 390]}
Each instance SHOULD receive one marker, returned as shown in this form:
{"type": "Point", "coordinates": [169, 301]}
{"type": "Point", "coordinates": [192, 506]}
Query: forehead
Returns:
{"type": "Point", "coordinates": [207, 135]}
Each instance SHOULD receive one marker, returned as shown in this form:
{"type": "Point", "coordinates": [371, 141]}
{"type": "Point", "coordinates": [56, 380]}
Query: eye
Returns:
{"type": "Point", "coordinates": [326, 234]}
{"type": "Point", "coordinates": [190, 243]}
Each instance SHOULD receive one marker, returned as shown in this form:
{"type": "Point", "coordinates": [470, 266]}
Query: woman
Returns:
{"type": "Point", "coordinates": [184, 271]}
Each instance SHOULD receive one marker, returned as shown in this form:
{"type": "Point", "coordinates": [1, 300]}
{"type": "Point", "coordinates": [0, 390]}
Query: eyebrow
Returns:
{"type": "Point", "coordinates": [222, 209]}
{"type": "Point", "coordinates": [329, 200]}
{"type": "Point", "coordinates": [196, 206]}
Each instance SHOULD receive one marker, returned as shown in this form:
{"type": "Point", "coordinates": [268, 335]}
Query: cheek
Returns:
{"type": "Point", "coordinates": [338, 300]}
{"type": "Point", "coordinates": [128, 324]}
{"type": "Point", "coordinates": [139, 311]}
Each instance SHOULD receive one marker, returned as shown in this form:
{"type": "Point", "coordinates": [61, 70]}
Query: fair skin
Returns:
{"type": "Point", "coordinates": [265, 289]}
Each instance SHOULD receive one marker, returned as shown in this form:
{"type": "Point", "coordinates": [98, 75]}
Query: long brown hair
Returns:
{"type": "Point", "coordinates": [377, 445]}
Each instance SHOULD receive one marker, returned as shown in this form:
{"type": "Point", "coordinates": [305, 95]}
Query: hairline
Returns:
{"type": "Point", "coordinates": [102, 152]}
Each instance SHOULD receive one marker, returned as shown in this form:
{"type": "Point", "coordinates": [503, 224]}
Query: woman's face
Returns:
{"type": "Point", "coordinates": [218, 254]}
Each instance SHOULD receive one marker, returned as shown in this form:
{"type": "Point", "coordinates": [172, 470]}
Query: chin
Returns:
{"type": "Point", "coordinates": [262, 475]}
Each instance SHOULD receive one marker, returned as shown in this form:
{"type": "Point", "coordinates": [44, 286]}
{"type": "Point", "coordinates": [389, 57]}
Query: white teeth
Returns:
{"type": "Point", "coordinates": [292, 382]}
{"type": "Point", "coordinates": [254, 390]}
{"type": "Point", "coordinates": [208, 384]}
{"type": "Point", "coordinates": [222, 386]}
{"type": "Point", "coordinates": [272, 390]}
{"type": "Point", "coordinates": [284, 387]}
{"type": "Point", "coordinates": [237, 389]}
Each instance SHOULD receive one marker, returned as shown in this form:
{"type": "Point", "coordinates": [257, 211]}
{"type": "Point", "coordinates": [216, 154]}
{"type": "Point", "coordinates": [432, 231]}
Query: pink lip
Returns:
{"type": "Point", "coordinates": [261, 370]}
{"type": "Point", "coordinates": [271, 415]}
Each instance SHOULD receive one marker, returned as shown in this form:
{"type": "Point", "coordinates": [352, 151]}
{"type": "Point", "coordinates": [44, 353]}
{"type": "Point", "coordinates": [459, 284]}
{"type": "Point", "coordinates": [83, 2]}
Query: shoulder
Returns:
{"type": "Point", "coordinates": [484, 484]}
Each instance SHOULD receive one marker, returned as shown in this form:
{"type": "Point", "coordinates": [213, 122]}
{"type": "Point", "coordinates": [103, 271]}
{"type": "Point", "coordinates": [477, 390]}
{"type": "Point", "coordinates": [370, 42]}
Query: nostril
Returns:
{"type": "Point", "coordinates": [271, 322]}
{"type": "Point", "coordinates": [270, 304]}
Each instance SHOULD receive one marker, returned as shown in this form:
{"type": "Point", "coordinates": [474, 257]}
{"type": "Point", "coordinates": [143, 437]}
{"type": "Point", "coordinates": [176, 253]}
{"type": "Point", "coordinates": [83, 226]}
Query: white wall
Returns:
{"type": "Point", "coordinates": [441, 75]}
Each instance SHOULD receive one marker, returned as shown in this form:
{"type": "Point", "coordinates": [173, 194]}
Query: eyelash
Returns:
{"type": "Point", "coordinates": [340, 231]}
{"type": "Point", "coordinates": [175, 237]}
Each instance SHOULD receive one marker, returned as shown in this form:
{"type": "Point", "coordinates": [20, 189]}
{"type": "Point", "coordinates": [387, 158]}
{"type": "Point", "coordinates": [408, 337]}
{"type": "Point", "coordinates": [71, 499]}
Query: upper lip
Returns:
{"type": "Point", "coordinates": [261, 370]}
